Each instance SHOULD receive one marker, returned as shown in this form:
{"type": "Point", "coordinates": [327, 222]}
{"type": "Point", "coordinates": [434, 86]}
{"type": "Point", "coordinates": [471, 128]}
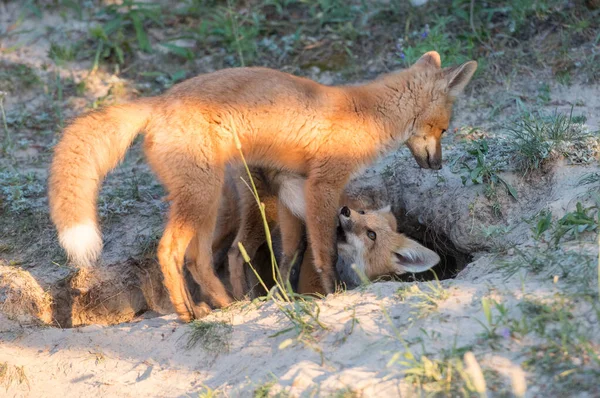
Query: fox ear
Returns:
{"type": "Point", "coordinates": [459, 77]}
{"type": "Point", "coordinates": [414, 257]}
{"type": "Point", "coordinates": [385, 209]}
{"type": "Point", "coordinates": [431, 58]}
{"type": "Point", "coordinates": [386, 213]}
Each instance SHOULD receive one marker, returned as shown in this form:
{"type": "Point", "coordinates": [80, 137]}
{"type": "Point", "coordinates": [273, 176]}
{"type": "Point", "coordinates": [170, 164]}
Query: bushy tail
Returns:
{"type": "Point", "coordinates": [90, 147]}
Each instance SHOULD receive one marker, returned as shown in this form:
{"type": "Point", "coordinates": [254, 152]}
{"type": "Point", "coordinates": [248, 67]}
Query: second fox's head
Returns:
{"type": "Point", "coordinates": [369, 246]}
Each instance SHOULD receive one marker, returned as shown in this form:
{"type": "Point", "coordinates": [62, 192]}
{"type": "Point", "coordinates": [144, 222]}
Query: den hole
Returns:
{"type": "Point", "coordinates": [452, 261]}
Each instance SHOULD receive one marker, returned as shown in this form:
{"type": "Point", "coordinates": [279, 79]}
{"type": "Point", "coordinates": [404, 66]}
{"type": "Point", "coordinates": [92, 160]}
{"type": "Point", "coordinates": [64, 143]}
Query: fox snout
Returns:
{"type": "Point", "coordinates": [427, 151]}
{"type": "Point", "coordinates": [345, 211]}
{"type": "Point", "coordinates": [344, 222]}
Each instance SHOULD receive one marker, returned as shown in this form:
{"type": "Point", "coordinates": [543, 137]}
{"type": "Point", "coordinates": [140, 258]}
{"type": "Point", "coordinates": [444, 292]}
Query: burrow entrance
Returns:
{"type": "Point", "coordinates": [452, 261]}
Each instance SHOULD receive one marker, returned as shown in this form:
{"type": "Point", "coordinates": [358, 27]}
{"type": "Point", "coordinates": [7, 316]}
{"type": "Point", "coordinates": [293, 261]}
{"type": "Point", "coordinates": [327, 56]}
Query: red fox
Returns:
{"type": "Point", "coordinates": [195, 129]}
{"type": "Point", "coordinates": [367, 242]}
{"type": "Point", "coordinates": [368, 248]}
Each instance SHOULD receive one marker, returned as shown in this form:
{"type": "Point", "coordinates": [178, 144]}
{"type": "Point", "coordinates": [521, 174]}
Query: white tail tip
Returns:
{"type": "Point", "coordinates": [82, 243]}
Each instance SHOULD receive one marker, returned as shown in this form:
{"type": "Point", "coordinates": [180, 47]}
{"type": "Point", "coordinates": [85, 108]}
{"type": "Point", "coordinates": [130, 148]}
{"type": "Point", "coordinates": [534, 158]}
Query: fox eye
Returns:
{"type": "Point", "coordinates": [361, 212]}
{"type": "Point", "coordinates": [372, 235]}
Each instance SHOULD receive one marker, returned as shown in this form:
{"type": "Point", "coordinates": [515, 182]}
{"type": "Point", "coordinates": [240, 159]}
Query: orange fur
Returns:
{"type": "Point", "coordinates": [239, 215]}
{"type": "Point", "coordinates": [282, 121]}
{"type": "Point", "coordinates": [369, 241]}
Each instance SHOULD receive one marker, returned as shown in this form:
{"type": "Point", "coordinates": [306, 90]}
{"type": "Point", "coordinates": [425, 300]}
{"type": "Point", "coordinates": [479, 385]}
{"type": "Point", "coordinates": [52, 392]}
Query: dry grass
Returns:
{"type": "Point", "coordinates": [10, 374]}
{"type": "Point", "coordinates": [104, 295]}
{"type": "Point", "coordinates": [22, 298]}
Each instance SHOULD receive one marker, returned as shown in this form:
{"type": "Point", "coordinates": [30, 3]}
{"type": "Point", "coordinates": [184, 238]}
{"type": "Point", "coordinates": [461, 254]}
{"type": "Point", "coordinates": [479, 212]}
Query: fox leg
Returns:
{"type": "Point", "coordinates": [251, 235]}
{"type": "Point", "coordinates": [322, 201]}
{"type": "Point", "coordinates": [171, 251]}
{"type": "Point", "coordinates": [193, 184]}
{"type": "Point", "coordinates": [202, 268]}
{"type": "Point", "coordinates": [293, 238]}
{"type": "Point", "coordinates": [251, 232]}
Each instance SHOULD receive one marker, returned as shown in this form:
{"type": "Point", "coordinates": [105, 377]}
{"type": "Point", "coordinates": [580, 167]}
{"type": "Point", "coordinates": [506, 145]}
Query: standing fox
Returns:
{"type": "Point", "coordinates": [196, 128]}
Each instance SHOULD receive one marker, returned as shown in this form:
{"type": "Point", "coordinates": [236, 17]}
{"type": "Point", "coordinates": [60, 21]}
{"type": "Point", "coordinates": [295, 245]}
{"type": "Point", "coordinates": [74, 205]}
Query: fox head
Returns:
{"type": "Point", "coordinates": [368, 239]}
{"type": "Point", "coordinates": [429, 95]}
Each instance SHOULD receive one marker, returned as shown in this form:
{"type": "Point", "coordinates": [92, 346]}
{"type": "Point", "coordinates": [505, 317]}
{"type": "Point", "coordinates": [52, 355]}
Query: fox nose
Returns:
{"type": "Point", "coordinates": [345, 211]}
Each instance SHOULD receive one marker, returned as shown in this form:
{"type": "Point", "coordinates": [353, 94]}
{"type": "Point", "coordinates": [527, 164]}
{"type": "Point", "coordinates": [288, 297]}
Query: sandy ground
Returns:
{"type": "Point", "coordinates": [380, 340]}
{"type": "Point", "coordinates": [150, 357]}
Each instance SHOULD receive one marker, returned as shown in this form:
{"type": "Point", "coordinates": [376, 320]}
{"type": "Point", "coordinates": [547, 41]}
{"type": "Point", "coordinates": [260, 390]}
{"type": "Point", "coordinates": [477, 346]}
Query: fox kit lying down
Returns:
{"type": "Point", "coordinates": [195, 129]}
{"type": "Point", "coordinates": [369, 247]}
{"type": "Point", "coordinates": [367, 242]}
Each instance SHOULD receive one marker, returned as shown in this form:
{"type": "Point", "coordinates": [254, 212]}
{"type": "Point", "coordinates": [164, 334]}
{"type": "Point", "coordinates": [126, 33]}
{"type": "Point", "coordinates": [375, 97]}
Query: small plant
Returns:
{"type": "Point", "coordinates": [576, 268]}
{"type": "Point", "coordinates": [536, 138]}
{"type": "Point", "coordinates": [543, 224]}
{"type": "Point", "coordinates": [423, 300]}
{"type": "Point", "coordinates": [345, 392]}
{"type": "Point", "coordinates": [7, 144]}
{"type": "Point", "coordinates": [10, 374]}
{"type": "Point", "coordinates": [438, 38]}
{"type": "Point", "coordinates": [449, 376]}
{"type": "Point", "coordinates": [564, 340]}
{"type": "Point", "coordinates": [334, 11]}
{"type": "Point", "coordinates": [483, 171]}
{"type": "Point", "coordinates": [213, 336]}
{"type": "Point", "coordinates": [232, 29]}
{"type": "Point", "coordinates": [581, 220]}
{"type": "Point", "coordinates": [166, 80]}
{"type": "Point", "coordinates": [592, 179]}
{"type": "Point", "coordinates": [20, 193]}
{"type": "Point", "coordinates": [61, 54]}
{"type": "Point", "coordinates": [208, 392]}
{"type": "Point", "coordinates": [112, 38]}
{"type": "Point", "coordinates": [492, 231]}
{"type": "Point", "coordinates": [493, 322]}
{"type": "Point", "coordinates": [265, 390]}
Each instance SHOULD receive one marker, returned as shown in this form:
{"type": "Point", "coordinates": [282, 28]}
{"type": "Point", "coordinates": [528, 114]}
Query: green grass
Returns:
{"type": "Point", "coordinates": [564, 347]}
{"type": "Point", "coordinates": [537, 138]}
{"type": "Point", "coordinates": [336, 34]}
{"type": "Point", "coordinates": [346, 392]}
{"type": "Point", "coordinates": [453, 49]}
{"type": "Point", "coordinates": [577, 222]}
{"type": "Point", "coordinates": [446, 376]}
{"type": "Point", "coordinates": [592, 179]}
{"type": "Point", "coordinates": [112, 40]}
{"type": "Point", "coordinates": [582, 221]}
{"type": "Point", "coordinates": [21, 193]}
{"type": "Point", "coordinates": [575, 269]}
{"type": "Point", "coordinates": [478, 167]}
{"type": "Point", "coordinates": [423, 298]}
{"type": "Point", "coordinates": [213, 336]}
{"type": "Point", "coordinates": [7, 142]}
{"type": "Point", "coordinates": [208, 392]}
{"type": "Point", "coordinates": [264, 390]}
{"type": "Point", "coordinates": [494, 320]}
{"type": "Point", "coordinates": [62, 53]}
{"type": "Point", "coordinates": [17, 77]}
